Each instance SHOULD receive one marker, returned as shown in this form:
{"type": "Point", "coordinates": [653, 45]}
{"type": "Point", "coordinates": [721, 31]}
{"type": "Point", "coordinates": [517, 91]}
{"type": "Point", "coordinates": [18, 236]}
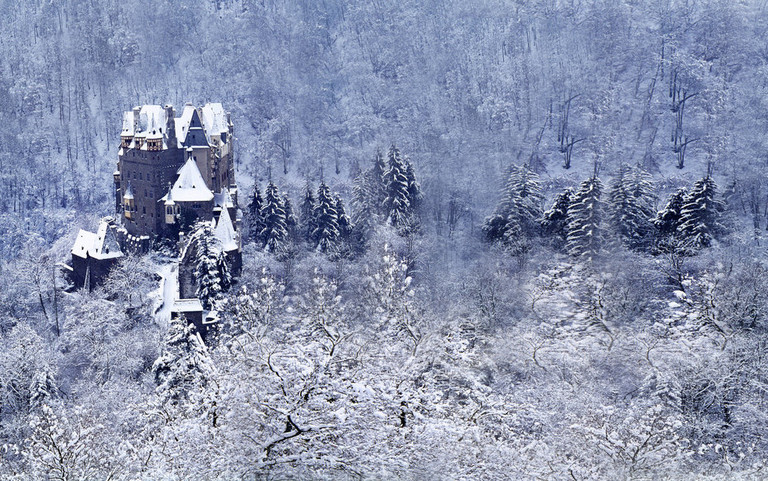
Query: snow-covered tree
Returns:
{"type": "Point", "coordinates": [184, 364]}
{"type": "Point", "coordinates": [344, 222]}
{"type": "Point", "coordinates": [700, 215]}
{"type": "Point", "coordinates": [291, 221]}
{"type": "Point", "coordinates": [554, 223]}
{"type": "Point", "coordinates": [585, 231]}
{"type": "Point", "coordinates": [326, 220]}
{"type": "Point", "coordinates": [254, 215]}
{"type": "Point", "coordinates": [275, 232]}
{"type": "Point", "coordinates": [518, 214]}
{"type": "Point", "coordinates": [307, 214]}
{"type": "Point", "coordinates": [630, 207]}
{"type": "Point", "coordinates": [211, 270]}
{"type": "Point", "coordinates": [397, 203]}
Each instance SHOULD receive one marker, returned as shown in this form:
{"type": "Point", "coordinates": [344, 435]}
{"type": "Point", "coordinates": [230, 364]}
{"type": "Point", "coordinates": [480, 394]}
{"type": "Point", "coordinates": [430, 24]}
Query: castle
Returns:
{"type": "Point", "coordinates": [171, 171]}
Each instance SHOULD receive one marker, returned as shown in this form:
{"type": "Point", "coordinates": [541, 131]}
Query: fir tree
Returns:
{"type": "Point", "coordinates": [668, 219]}
{"type": "Point", "coordinates": [397, 205]}
{"type": "Point", "coordinates": [630, 210]}
{"type": "Point", "coordinates": [255, 221]}
{"type": "Point", "coordinates": [344, 222]}
{"type": "Point", "coordinates": [554, 223]}
{"type": "Point", "coordinates": [307, 214]}
{"type": "Point", "coordinates": [585, 235]}
{"type": "Point", "coordinates": [275, 232]}
{"type": "Point", "coordinates": [326, 220]}
{"type": "Point", "coordinates": [291, 221]}
{"type": "Point", "coordinates": [211, 270]}
{"type": "Point", "coordinates": [414, 189]}
{"type": "Point", "coordinates": [518, 214]}
{"type": "Point", "coordinates": [184, 364]}
{"type": "Point", "coordinates": [700, 215]}
{"type": "Point", "coordinates": [377, 185]}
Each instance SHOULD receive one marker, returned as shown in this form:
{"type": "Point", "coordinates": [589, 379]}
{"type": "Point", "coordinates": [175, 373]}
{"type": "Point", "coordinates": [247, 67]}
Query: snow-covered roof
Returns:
{"type": "Point", "coordinates": [187, 305]}
{"type": "Point", "coordinates": [190, 186]}
{"type": "Point", "coordinates": [223, 199]}
{"type": "Point", "coordinates": [214, 119]}
{"type": "Point", "coordinates": [182, 123]}
{"type": "Point", "coordinates": [100, 245]}
{"type": "Point", "coordinates": [152, 120]}
{"type": "Point", "coordinates": [225, 232]}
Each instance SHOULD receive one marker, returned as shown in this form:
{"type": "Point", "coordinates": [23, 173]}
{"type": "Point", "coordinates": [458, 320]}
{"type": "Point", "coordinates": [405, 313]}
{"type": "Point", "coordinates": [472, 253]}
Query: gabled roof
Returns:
{"type": "Point", "coordinates": [100, 245]}
{"type": "Point", "coordinates": [225, 232]}
{"type": "Point", "coordinates": [214, 119]}
{"type": "Point", "coordinates": [189, 185]}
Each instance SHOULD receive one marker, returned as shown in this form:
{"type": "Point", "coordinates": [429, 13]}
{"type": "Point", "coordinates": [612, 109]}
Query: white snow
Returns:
{"type": "Point", "coordinates": [189, 186]}
{"type": "Point", "coordinates": [168, 292]}
{"type": "Point", "coordinates": [225, 232]}
{"type": "Point", "coordinates": [99, 245]}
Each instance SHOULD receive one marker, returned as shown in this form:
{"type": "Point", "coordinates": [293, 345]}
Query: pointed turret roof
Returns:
{"type": "Point", "coordinates": [128, 194]}
{"type": "Point", "coordinates": [189, 185]}
{"type": "Point", "coordinates": [225, 232]}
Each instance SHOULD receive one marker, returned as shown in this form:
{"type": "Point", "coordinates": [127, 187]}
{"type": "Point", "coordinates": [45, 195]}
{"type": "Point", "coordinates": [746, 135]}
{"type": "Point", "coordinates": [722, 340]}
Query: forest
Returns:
{"type": "Point", "coordinates": [487, 239]}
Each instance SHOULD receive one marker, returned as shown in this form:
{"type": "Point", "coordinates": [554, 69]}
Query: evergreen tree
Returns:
{"type": "Point", "coordinates": [326, 220]}
{"type": "Point", "coordinates": [211, 270]}
{"type": "Point", "coordinates": [377, 185]}
{"type": "Point", "coordinates": [365, 215]}
{"type": "Point", "coordinates": [668, 219]}
{"type": "Point", "coordinates": [414, 189]}
{"type": "Point", "coordinates": [585, 236]}
{"type": "Point", "coordinates": [255, 221]}
{"type": "Point", "coordinates": [307, 214]}
{"type": "Point", "coordinates": [554, 223]}
{"type": "Point", "coordinates": [275, 232]}
{"type": "Point", "coordinates": [291, 221]}
{"type": "Point", "coordinates": [397, 205]}
{"type": "Point", "coordinates": [630, 208]}
{"type": "Point", "coordinates": [700, 215]}
{"type": "Point", "coordinates": [344, 222]}
{"type": "Point", "coordinates": [518, 214]}
{"type": "Point", "coordinates": [184, 364]}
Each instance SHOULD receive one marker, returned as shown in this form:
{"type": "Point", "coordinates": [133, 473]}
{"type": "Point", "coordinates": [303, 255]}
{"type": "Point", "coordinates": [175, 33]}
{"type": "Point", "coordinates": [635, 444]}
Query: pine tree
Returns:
{"type": "Point", "coordinates": [291, 221]}
{"type": "Point", "coordinates": [344, 222]}
{"type": "Point", "coordinates": [668, 219]}
{"type": "Point", "coordinates": [700, 215]}
{"type": "Point", "coordinates": [255, 221]}
{"type": "Point", "coordinates": [585, 235]}
{"type": "Point", "coordinates": [554, 223]}
{"type": "Point", "coordinates": [397, 205]}
{"type": "Point", "coordinates": [414, 189]}
{"type": "Point", "coordinates": [630, 210]}
{"type": "Point", "coordinates": [376, 181]}
{"type": "Point", "coordinates": [307, 214]}
{"type": "Point", "coordinates": [326, 220]}
{"type": "Point", "coordinates": [211, 271]}
{"type": "Point", "coordinates": [518, 214]}
{"type": "Point", "coordinates": [275, 232]}
{"type": "Point", "coordinates": [184, 364]}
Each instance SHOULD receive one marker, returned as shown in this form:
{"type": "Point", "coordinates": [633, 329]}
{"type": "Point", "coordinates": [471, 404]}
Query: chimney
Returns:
{"type": "Point", "coordinates": [136, 111]}
{"type": "Point", "coordinates": [170, 125]}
